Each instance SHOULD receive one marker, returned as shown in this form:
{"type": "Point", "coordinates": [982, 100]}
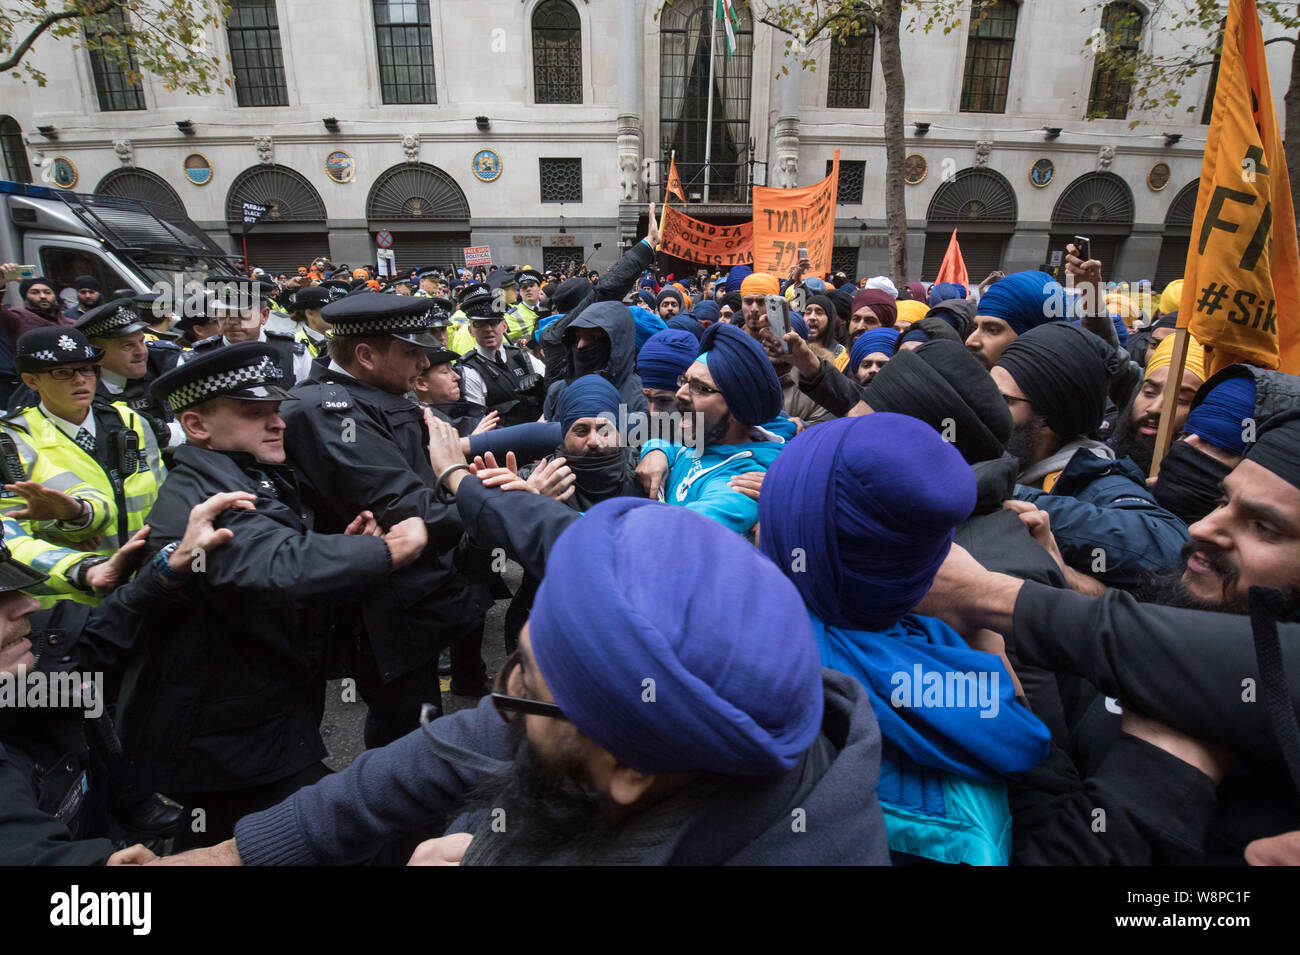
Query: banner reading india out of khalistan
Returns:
{"type": "Point", "coordinates": [1242, 284]}
{"type": "Point", "coordinates": [702, 242]}
{"type": "Point", "coordinates": [787, 219]}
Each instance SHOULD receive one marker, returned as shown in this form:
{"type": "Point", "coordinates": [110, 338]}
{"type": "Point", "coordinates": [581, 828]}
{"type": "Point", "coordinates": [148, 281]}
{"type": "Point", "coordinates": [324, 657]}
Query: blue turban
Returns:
{"type": "Point", "coordinates": [880, 497]}
{"type": "Point", "coordinates": [798, 324]}
{"type": "Point", "coordinates": [942, 291]}
{"type": "Point", "coordinates": [884, 340]}
{"type": "Point", "coordinates": [737, 679]}
{"type": "Point", "coordinates": [647, 323]}
{"type": "Point", "coordinates": [647, 298]}
{"type": "Point", "coordinates": [665, 356]}
{"type": "Point", "coordinates": [736, 276]}
{"type": "Point", "coordinates": [590, 396]}
{"type": "Point", "coordinates": [743, 373]}
{"type": "Point", "coordinates": [1025, 300]}
{"type": "Point", "coordinates": [707, 311]}
{"type": "Point", "coordinates": [1217, 417]}
{"type": "Point", "coordinates": [685, 321]}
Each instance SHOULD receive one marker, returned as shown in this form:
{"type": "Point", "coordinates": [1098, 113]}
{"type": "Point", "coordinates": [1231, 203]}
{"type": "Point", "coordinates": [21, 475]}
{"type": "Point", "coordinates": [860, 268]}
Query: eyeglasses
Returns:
{"type": "Point", "coordinates": [508, 705]}
{"type": "Point", "coordinates": [81, 371]}
{"type": "Point", "coordinates": [698, 388]}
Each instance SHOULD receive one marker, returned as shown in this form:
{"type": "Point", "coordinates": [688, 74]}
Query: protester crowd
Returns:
{"type": "Point", "coordinates": [815, 571]}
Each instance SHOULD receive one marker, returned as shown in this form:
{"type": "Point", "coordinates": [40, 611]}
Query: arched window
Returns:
{"type": "Point", "coordinates": [287, 195]}
{"type": "Point", "coordinates": [15, 150]}
{"type": "Point", "coordinates": [557, 53]}
{"type": "Point", "coordinates": [988, 58]}
{"type": "Point", "coordinates": [1177, 236]}
{"type": "Point", "coordinates": [425, 211]}
{"type": "Point", "coordinates": [1112, 74]}
{"type": "Point", "coordinates": [849, 83]}
{"type": "Point", "coordinates": [686, 36]}
{"type": "Point", "coordinates": [981, 205]}
{"type": "Point", "coordinates": [1100, 206]}
{"type": "Point", "coordinates": [147, 187]}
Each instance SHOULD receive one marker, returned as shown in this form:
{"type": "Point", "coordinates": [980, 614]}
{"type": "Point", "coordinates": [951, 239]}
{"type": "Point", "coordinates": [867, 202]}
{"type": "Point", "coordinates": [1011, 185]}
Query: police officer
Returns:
{"type": "Point", "coordinates": [474, 299]}
{"type": "Point", "coordinates": [130, 365]}
{"type": "Point", "coordinates": [311, 328]}
{"type": "Point", "coordinates": [521, 319]}
{"type": "Point", "coordinates": [428, 279]}
{"type": "Point", "coordinates": [358, 443]}
{"type": "Point", "coordinates": [225, 713]}
{"type": "Point", "coordinates": [82, 470]}
{"type": "Point", "coordinates": [499, 376]}
{"type": "Point", "coordinates": [242, 311]}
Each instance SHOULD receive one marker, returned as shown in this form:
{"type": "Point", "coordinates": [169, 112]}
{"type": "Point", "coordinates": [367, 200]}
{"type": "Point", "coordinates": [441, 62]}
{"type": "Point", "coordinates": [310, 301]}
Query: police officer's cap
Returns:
{"type": "Point", "coordinates": [440, 310]}
{"type": "Point", "coordinates": [15, 575]}
{"type": "Point", "coordinates": [233, 294]}
{"type": "Point", "coordinates": [374, 313]}
{"type": "Point", "coordinates": [248, 371]}
{"type": "Point", "coordinates": [440, 356]}
{"type": "Point", "coordinates": [313, 297]}
{"type": "Point", "coordinates": [478, 304]}
{"type": "Point", "coordinates": [115, 319]}
{"type": "Point", "coordinates": [528, 275]}
{"type": "Point", "coordinates": [428, 273]}
{"type": "Point", "coordinates": [501, 279]}
{"type": "Point", "coordinates": [41, 349]}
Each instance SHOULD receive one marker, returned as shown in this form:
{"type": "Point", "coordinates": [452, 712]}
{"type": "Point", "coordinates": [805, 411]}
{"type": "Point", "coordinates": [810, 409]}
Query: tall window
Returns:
{"type": "Point", "coordinates": [405, 41]}
{"type": "Point", "coordinates": [988, 59]}
{"type": "Point", "coordinates": [850, 77]}
{"type": "Point", "coordinates": [557, 53]}
{"type": "Point", "coordinates": [255, 56]}
{"type": "Point", "coordinates": [1121, 25]}
{"type": "Point", "coordinates": [684, 95]}
{"type": "Point", "coordinates": [113, 84]}
{"type": "Point", "coordinates": [15, 151]}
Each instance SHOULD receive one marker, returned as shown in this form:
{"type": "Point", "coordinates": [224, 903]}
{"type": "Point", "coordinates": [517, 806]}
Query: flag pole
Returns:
{"type": "Point", "coordinates": [668, 181]}
{"type": "Point", "coordinates": [1169, 398]}
{"type": "Point", "coordinates": [708, 122]}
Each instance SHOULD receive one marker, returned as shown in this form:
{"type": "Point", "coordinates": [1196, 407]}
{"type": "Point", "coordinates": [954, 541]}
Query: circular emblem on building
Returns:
{"type": "Point", "coordinates": [340, 166]}
{"type": "Point", "coordinates": [1042, 172]}
{"type": "Point", "coordinates": [62, 172]}
{"type": "Point", "coordinates": [1158, 176]}
{"type": "Point", "coordinates": [487, 165]}
{"type": "Point", "coordinates": [198, 169]}
{"type": "Point", "coordinates": [915, 169]}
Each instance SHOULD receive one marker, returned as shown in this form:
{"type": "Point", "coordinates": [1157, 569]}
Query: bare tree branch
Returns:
{"type": "Point", "coordinates": [21, 50]}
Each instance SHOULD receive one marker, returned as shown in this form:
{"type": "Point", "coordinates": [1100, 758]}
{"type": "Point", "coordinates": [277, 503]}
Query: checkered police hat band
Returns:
{"type": "Point", "coordinates": [119, 319]}
{"type": "Point", "coordinates": [401, 325]}
{"type": "Point", "coordinates": [191, 393]}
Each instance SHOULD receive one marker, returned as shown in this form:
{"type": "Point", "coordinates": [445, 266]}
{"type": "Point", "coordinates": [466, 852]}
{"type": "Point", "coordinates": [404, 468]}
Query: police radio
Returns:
{"type": "Point", "coordinates": [127, 452]}
{"type": "Point", "coordinates": [10, 460]}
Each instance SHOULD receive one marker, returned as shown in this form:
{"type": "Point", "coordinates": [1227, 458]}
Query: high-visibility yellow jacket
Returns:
{"type": "Point", "coordinates": [520, 321]}
{"type": "Point", "coordinates": [119, 504]}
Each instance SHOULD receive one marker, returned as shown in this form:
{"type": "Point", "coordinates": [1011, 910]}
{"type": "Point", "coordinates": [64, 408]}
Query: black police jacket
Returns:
{"type": "Point", "coordinates": [229, 693]}
{"type": "Point", "coordinates": [515, 392]}
{"type": "Point", "coordinates": [358, 448]}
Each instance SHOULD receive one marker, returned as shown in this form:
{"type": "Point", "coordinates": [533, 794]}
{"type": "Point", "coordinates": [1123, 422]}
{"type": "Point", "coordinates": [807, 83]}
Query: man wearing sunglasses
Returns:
{"type": "Point", "coordinates": [80, 473]}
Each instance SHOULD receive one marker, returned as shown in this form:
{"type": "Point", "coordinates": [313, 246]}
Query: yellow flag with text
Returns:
{"type": "Point", "coordinates": [1241, 290]}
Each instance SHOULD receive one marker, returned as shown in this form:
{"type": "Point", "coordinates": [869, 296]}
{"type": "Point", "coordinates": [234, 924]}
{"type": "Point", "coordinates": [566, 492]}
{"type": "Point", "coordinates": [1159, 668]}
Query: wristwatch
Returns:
{"type": "Point", "coordinates": [162, 565]}
{"type": "Point", "coordinates": [78, 575]}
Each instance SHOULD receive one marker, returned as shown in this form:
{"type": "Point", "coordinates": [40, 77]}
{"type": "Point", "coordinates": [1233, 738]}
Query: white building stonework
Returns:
{"type": "Point", "coordinates": [420, 170]}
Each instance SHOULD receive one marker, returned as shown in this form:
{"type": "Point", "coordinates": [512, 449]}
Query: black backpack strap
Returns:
{"type": "Point", "coordinates": [1266, 605]}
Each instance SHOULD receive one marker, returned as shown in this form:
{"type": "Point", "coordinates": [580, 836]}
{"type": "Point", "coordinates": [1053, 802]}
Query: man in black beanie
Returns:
{"type": "Point", "coordinates": [669, 302]}
{"type": "Point", "coordinates": [1055, 379]}
{"type": "Point", "coordinates": [89, 295]}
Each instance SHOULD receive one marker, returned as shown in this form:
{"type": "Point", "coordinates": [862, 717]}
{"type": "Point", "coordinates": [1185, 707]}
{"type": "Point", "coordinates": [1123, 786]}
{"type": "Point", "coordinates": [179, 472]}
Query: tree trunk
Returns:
{"type": "Point", "coordinates": [1291, 138]}
{"type": "Point", "coordinates": [895, 144]}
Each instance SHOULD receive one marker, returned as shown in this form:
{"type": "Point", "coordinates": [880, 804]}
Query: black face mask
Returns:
{"type": "Point", "coordinates": [590, 359]}
{"type": "Point", "coordinates": [1188, 486]}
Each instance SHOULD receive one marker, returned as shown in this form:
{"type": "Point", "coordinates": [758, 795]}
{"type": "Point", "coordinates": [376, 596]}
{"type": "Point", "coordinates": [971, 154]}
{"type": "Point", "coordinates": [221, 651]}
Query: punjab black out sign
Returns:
{"type": "Point", "coordinates": [786, 220]}
{"type": "Point", "coordinates": [716, 245]}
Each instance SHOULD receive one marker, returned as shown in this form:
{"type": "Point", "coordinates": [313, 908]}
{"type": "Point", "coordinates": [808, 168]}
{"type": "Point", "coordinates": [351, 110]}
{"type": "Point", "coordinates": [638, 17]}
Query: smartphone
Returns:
{"type": "Point", "coordinates": [778, 322]}
{"type": "Point", "coordinates": [20, 273]}
{"type": "Point", "coordinates": [1084, 245]}
{"type": "Point", "coordinates": [803, 252]}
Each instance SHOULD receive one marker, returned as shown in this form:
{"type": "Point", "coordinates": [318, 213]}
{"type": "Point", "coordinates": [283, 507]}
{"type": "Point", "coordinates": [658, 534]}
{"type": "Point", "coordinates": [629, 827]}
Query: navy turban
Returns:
{"type": "Point", "coordinates": [737, 275]}
{"type": "Point", "coordinates": [590, 396]}
{"type": "Point", "coordinates": [883, 340]}
{"type": "Point", "coordinates": [799, 326]}
{"type": "Point", "coordinates": [743, 373]}
{"type": "Point", "coordinates": [1024, 300]}
{"type": "Point", "coordinates": [942, 291]}
{"type": "Point", "coordinates": [1219, 410]}
{"type": "Point", "coordinates": [880, 498]}
{"type": "Point", "coordinates": [1065, 373]}
{"type": "Point", "coordinates": [685, 321]}
{"type": "Point", "coordinates": [647, 323]}
{"type": "Point", "coordinates": [707, 311]}
{"type": "Point", "coordinates": [737, 678]}
{"type": "Point", "coordinates": [665, 356]}
{"type": "Point", "coordinates": [646, 298]}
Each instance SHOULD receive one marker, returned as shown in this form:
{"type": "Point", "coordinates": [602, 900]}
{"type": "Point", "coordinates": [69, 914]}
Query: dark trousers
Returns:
{"type": "Point", "coordinates": [223, 808]}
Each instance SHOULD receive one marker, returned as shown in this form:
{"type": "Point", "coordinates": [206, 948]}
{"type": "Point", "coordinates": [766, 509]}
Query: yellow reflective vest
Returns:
{"type": "Point", "coordinates": [119, 502]}
{"type": "Point", "coordinates": [520, 321]}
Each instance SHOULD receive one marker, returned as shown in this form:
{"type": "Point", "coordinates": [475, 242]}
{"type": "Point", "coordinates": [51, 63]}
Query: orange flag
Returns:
{"type": "Point", "coordinates": [674, 182]}
{"type": "Point", "coordinates": [1242, 283]}
{"type": "Point", "coordinates": [953, 266]}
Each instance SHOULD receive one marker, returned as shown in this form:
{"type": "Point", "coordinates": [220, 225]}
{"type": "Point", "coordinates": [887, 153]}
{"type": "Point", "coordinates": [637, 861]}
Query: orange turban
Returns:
{"type": "Point", "coordinates": [760, 283]}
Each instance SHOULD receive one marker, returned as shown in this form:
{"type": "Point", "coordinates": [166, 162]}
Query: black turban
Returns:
{"type": "Point", "coordinates": [942, 384]}
{"type": "Point", "coordinates": [1065, 373]}
{"type": "Point", "coordinates": [1277, 448]}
